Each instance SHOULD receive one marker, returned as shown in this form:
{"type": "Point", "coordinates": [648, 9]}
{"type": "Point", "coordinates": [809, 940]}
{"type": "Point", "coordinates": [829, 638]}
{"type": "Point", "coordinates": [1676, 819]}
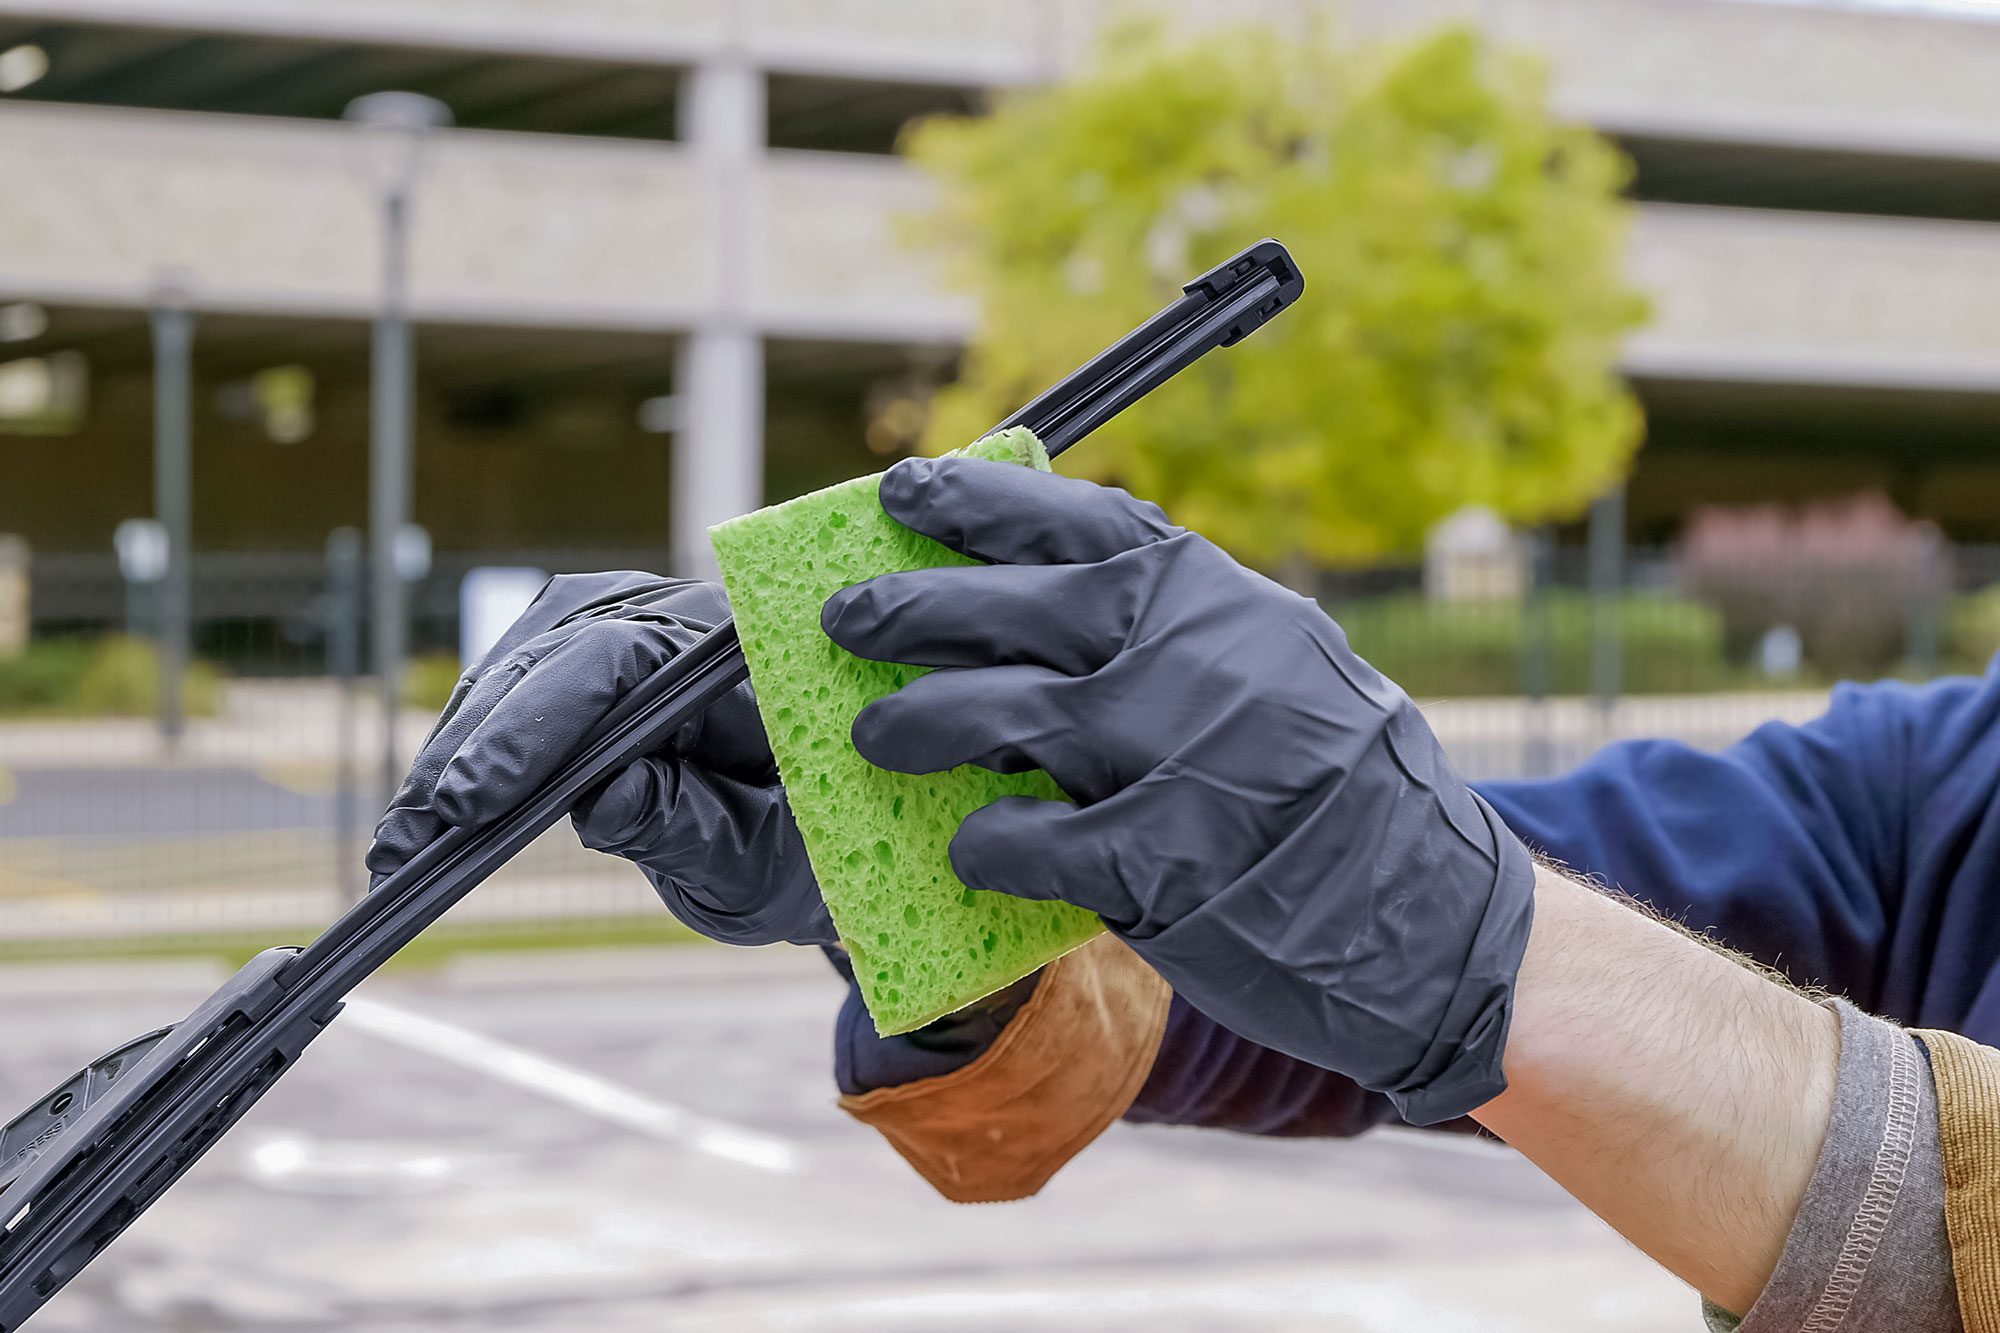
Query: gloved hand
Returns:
{"type": "Point", "coordinates": [705, 818]}
{"type": "Point", "coordinates": [1267, 820]}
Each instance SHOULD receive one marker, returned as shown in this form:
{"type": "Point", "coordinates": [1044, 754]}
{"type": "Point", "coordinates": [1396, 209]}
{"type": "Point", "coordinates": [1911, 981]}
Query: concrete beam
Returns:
{"type": "Point", "coordinates": [566, 233]}
{"type": "Point", "coordinates": [279, 216]}
{"type": "Point", "coordinates": [1739, 70]}
{"type": "Point", "coordinates": [1802, 298]}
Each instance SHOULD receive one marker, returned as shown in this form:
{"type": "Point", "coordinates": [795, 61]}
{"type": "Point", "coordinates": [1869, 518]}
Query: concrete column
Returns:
{"type": "Point", "coordinates": [718, 469]}
{"type": "Point", "coordinates": [722, 110]}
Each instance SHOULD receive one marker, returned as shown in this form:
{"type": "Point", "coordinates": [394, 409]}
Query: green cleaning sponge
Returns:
{"type": "Point", "coordinates": [923, 944]}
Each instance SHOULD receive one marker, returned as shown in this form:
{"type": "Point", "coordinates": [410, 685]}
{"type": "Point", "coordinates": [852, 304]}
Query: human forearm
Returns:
{"type": "Point", "coordinates": [1678, 1094]}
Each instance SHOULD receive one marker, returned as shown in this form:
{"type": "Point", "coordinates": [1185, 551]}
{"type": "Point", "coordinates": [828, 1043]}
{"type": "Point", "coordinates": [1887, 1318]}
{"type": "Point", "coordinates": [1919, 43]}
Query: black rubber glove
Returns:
{"type": "Point", "coordinates": [705, 818]}
{"type": "Point", "coordinates": [1267, 820]}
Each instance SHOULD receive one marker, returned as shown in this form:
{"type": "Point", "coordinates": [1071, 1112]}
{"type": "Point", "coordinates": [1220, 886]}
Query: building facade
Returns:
{"type": "Point", "coordinates": [659, 249]}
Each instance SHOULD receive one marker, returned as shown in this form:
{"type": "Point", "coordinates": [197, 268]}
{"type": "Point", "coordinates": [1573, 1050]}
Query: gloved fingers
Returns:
{"type": "Point", "coordinates": [728, 738]}
{"type": "Point", "coordinates": [1009, 719]}
{"type": "Point", "coordinates": [734, 840]}
{"type": "Point", "coordinates": [411, 822]}
{"type": "Point", "coordinates": [1047, 851]}
{"type": "Point", "coordinates": [1012, 515]}
{"type": "Point", "coordinates": [724, 855]}
{"type": "Point", "coordinates": [567, 599]}
{"type": "Point", "coordinates": [1071, 618]}
{"type": "Point", "coordinates": [565, 604]}
{"type": "Point", "coordinates": [621, 814]}
{"type": "Point", "coordinates": [692, 602]}
{"type": "Point", "coordinates": [539, 723]}
{"type": "Point", "coordinates": [460, 692]}
{"type": "Point", "coordinates": [403, 832]}
{"type": "Point", "coordinates": [1144, 858]}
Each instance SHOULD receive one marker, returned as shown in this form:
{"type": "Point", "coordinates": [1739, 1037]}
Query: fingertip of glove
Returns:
{"type": "Point", "coordinates": [981, 850]}
{"type": "Point", "coordinates": [856, 617]}
{"type": "Point", "coordinates": [453, 806]}
{"type": "Point", "coordinates": [834, 614]}
{"type": "Point", "coordinates": [398, 836]}
{"type": "Point", "coordinates": [893, 735]}
{"type": "Point", "coordinates": [866, 733]}
{"type": "Point", "coordinates": [384, 858]}
{"type": "Point", "coordinates": [903, 486]}
{"type": "Point", "coordinates": [612, 818]}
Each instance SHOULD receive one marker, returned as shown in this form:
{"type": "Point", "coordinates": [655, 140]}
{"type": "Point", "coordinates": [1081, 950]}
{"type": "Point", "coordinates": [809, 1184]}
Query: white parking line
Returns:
{"type": "Point", "coordinates": [571, 1086]}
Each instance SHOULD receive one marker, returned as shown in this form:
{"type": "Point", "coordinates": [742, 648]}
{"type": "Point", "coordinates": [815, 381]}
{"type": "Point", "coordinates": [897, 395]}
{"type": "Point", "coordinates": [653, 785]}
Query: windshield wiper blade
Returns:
{"type": "Point", "coordinates": [89, 1158]}
{"type": "Point", "coordinates": [78, 1166]}
{"type": "Point", "coordinates": [1218, 309]}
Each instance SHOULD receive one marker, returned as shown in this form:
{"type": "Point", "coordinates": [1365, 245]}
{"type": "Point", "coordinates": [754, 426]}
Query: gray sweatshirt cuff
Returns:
{"type": "Point", "coordinates": [1868, 1252]}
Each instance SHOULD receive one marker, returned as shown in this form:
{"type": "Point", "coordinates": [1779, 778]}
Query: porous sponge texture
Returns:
{"type": "Point", "coordinates": [923, 944]}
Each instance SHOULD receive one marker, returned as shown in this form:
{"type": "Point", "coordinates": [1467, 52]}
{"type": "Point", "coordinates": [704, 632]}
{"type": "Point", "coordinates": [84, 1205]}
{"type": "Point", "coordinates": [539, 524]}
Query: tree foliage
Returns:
{"type": "Point", "coordinates": [1457, 341]}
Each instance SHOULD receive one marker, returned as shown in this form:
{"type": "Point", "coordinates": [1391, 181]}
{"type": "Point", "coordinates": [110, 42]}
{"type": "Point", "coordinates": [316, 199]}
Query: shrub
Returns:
{"type": "Point", "coordinates": [1846, 574]}
{"type": "Point", "coordinates": [114, 676]}
{"type": "Point", "coordinates": [42, 679]}
{"type": "Point", "coordinates": [1972, 629]}
{"type": "Point", "coordinates": [428, 681]}
{"type": "Point", "coordinates": [1478, 648]}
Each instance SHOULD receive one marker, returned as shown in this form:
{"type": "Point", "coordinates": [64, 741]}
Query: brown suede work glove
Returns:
{"type": "Point", "coordinates": [1967, 1077]}
{"type": "Point", "coordinates": [1069, 1064]}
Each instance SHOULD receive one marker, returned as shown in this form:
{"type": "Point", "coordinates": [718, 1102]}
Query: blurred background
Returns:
{"type": "Point", "coordinates": [329, 328]}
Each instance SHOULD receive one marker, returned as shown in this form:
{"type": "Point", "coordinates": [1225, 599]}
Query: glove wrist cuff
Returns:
{"type": "Point", "coordinates": [1064, 1068]}
{"type": "Point", "coordinates": [1462, 1069]}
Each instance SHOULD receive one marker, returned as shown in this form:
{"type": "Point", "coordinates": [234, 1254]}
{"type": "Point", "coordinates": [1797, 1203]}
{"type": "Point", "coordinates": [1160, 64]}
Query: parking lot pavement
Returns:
{"type": "Point", "coordinates": [647, 1141]}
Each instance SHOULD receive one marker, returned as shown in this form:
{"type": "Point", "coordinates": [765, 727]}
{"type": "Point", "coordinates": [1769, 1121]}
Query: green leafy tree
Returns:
{"type": "Point", "coordinates": [1457, 341]}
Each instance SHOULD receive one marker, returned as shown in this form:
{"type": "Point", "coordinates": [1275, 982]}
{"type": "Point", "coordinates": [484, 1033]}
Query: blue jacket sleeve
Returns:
{"type": "Point", "coordinates": [1788, 845]}
{"type": "Point", "coordinates": [1859, 852]}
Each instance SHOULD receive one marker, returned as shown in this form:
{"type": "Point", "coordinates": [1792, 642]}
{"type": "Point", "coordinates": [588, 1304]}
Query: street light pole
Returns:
{"type": "Point", "coordinates": [343, 660]}
{"type": "Point", "coordinates": [391, 377]}
{"type": "Point", "coordinates": [402, 121]}
{"type": "Point", "coordinates": [173, 340]}
{"type": "Point", "coordinates": [1607, 577]}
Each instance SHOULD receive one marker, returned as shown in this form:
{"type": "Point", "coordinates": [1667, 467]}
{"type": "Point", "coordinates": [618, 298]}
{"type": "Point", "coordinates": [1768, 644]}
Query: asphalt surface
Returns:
{"type": "Point", "coordinates": [647, 1141]}
{"type": "Point", "coordinates": [112, 802]}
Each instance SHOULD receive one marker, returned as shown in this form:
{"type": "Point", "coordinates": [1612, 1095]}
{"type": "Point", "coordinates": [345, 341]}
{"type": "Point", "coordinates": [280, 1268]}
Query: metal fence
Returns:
{"type": "Point", "coordinates": [248, 826]}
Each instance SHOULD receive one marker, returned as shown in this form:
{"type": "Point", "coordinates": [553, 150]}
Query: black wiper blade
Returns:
{"type": "Point", "coordinates": [1218, 309]}
{"type": "Point", "coordinates": [140, 1117]}
{"type": "Point", "coordinates": [35, 1128]}
{"type": "Point", "coordinates": [78, 1166]}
